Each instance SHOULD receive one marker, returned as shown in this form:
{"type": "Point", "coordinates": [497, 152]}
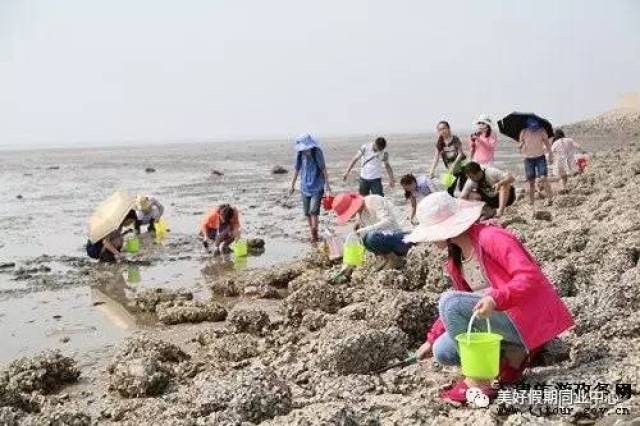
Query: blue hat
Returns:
{"type": "Point", "coordinates": [304, 142]}
{"type": "Point", "coordinates": [532, 123]}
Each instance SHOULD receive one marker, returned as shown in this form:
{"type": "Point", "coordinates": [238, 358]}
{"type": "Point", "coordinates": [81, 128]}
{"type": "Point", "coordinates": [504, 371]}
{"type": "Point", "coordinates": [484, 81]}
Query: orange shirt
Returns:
{"type": "Point", "coordinates": [212, 220]}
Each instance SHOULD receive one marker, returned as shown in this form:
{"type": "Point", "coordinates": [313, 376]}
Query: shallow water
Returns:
{"type": "Point", "coordinates": [60, 188]}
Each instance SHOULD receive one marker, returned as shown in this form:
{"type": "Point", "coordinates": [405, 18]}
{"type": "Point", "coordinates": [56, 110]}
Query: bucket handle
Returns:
{"type": "Point", "coordinates": [353, 236]}
{"type": "Point", "coordinates": [473, 317]}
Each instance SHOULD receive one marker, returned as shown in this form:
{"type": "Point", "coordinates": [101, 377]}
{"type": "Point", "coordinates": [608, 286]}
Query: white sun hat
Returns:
{"type": "Point", "coordinates": [442, 217]}
{"type": "Point", "coordinates": [484, 118]}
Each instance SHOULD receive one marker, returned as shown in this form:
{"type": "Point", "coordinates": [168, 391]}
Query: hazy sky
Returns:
{"type": "Point", "coordinates": [114, 71]}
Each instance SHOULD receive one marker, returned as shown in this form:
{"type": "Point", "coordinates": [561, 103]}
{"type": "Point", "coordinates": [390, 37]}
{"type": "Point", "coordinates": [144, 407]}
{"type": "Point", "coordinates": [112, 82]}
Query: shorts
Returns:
{"type": "Point", "coordinates": [385, 242]}
{"type": "Point", "coordinates": [494, 201]}
{"type": "Point", "coordinates": [535, 167]}
{"type": "Point", "coordinates": [224, 233]}
{"type": "Point", "coordinates": [311, 204]}
{"type": "Point", "coordinates": [371, 186]}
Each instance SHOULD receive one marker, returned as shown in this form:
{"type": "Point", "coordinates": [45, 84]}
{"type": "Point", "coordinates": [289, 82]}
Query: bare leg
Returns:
{"type": "Point", "coordinates": [564, 181]}
{"type": "Point", "coordinates": [532, 192]}
{"type": "Point", "coordinates": [503, 195]}
{"type": "Point", "coordinates": [547, 190]}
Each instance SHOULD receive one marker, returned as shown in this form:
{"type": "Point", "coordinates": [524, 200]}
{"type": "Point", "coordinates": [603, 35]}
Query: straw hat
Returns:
{"type": "Point", "coordinates": [109, 215]}
{"type": "Point", "coordinates": [484, 119]}
{"type": "Point", "coordinates": [304, 142]}
{"type": "Point", "coordinates": [442, 217]}
{"type": "Point", "coordinates": [346, 206]}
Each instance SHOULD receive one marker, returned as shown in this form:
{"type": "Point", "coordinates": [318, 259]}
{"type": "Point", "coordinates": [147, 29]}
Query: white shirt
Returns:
{"type": "Point", "coordinates": [371, 162]}
{"type": "Point", "coordinates": [491, 177]}
{"type": "Point", "coordinates": [378, 215]}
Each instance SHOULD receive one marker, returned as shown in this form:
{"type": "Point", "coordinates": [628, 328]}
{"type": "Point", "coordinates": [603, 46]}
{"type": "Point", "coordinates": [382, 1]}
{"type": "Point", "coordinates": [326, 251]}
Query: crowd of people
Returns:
{"type": "Point", "coordinates": [491, 272]}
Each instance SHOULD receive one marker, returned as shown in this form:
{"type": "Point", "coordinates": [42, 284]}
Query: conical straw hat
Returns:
{"type": "Point", "coordinates": [110, 214]}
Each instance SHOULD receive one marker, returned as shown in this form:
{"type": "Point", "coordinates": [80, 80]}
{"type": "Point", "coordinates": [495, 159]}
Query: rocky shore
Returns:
{"type": "Point", "coordinates": [311, 358]}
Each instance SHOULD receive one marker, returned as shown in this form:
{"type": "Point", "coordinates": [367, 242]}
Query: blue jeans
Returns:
{"type": "Point", "coordinates": [371, 186]}
{"type": "Point", "coordinates": [456, 308]}
{"type": "Point", "coordinates": [385, 242]}
{"type": "Point", "coordinates": [311, 204]}
{"type": "Point", "coordinates": [535, 167]}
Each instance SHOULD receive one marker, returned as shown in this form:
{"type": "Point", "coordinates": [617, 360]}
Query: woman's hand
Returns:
{"type": "Point", "coordinates": [425, 351]}
{"type": "Point", "coordinates": [485, 307]}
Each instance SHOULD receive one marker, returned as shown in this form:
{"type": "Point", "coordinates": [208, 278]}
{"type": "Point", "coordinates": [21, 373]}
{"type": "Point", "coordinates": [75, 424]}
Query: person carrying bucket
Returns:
{"type": "Point", "coordinates": [220, 228]}
{"type": "Point", "coordinates": [377, 225]}
{"type": "Point", "coordinates": [449, 148]}
{"type": "Point", "coordinates": [495, 278]}
{"type": "Point", "coordinates": [309, 164]}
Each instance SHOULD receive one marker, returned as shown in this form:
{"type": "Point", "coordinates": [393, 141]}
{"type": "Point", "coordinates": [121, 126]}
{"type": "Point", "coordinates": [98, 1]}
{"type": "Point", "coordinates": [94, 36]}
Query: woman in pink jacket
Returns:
{"type": "Point", "coordinates": [482, 143]}
{"type": "Point", "coordinates": [493, 275]}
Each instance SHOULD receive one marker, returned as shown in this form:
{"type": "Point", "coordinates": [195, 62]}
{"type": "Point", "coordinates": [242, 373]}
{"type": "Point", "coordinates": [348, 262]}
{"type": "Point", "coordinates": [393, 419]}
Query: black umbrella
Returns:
{"type": "Point", "coordinates": [512, 124]}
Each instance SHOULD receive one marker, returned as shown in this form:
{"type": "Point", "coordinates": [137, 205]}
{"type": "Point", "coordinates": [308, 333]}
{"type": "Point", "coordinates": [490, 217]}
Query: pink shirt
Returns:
{"type": "Point", "coordinates": [517, 285]}
{"type": "Point", "coordinates": [485, 149]}
{"type": "Point", "coordinates": [533, 142]}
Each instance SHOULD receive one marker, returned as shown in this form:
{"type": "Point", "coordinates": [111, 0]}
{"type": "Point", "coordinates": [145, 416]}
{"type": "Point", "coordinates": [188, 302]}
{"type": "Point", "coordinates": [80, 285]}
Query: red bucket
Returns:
{"type": "Point", "coordinates": [327, 202]}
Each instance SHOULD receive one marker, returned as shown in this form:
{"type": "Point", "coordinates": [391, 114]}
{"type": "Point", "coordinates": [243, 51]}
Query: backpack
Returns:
{"type": "Point", "coordinates": [94, 249]}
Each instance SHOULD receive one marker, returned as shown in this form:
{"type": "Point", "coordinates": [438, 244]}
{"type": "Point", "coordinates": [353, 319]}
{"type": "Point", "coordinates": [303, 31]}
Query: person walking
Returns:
{"type": "Point", "coordinates": [373, 158]}
{"type": "Point", "coordinates": [310, 166]}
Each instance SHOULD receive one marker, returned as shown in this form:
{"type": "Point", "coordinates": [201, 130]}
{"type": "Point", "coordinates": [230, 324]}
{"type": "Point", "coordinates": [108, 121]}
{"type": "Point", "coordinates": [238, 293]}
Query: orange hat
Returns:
{"type": "Point", "coordinates": [346, 206]}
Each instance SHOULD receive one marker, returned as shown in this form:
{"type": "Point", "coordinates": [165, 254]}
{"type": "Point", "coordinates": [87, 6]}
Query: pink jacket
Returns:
{"type": "Point", "coordinates": [518, 287]}
{"type": "Point", "coordinates": [485, 148]}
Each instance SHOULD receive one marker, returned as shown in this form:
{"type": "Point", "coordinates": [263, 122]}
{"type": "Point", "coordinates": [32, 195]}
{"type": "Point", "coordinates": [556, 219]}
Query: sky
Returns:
{"type": "Point", "coordinates": [108, 72]}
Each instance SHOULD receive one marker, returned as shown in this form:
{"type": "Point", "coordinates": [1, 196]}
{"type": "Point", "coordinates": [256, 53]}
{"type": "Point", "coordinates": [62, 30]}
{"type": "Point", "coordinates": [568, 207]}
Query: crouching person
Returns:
{"type": "Point", "coordinates": [220, 228]}
{"type": "Point", "coordinates": [491, 185]}
{"type": "Point", "coordinates": [376, 225]}
{"type": "Point", "coordinates": [494, 276]}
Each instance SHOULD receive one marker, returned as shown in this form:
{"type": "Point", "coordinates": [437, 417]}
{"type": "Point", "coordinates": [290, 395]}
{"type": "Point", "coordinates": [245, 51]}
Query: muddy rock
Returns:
{"type": "Point", "coordinates": [148, 300]}
{"type": "Point", "coordinates": [330, 413]}
{"type": "Point", "coordinates": [413, 313]}
{"type": "Point", "coordinates": [255, 244]}
{"type": "Point", "coordinates": [253, 394]}
{"type": "Point", "coordinates": [190, 311]}
{"type": "Point", "coordinates": [150, 170]}
{"type": "Point", "coordinates": [314, 296]}
{"type": "Point", "coordinates": [144, 367]}
{"type": "Point", "coordinates": [278, 170]}
{"type": "Point", "coordinates": [44, 373]}
{"type": "Point", "coordinates": [64, 417]}
{"type": "Point", "coordinates": [350, 347]}
{"type": "Point", "coordinates": [424, 268]}
{"type": "Point", "coordinates": [225, 287]}
{"type": "Point", "coordinates": [542, 215]}
{"type": "Point", "coordinates": [10, 416]}
{"type": "Point", "coordinates": [569, 201]}
{"type": "Point", "coordinates": [262, 291]}
{"type": "Point", "coordinates": [314, 320]}
{"type": "Point", "coordinates": [234, 347]}
{"type": "Point", "coordinates": [248, 320]}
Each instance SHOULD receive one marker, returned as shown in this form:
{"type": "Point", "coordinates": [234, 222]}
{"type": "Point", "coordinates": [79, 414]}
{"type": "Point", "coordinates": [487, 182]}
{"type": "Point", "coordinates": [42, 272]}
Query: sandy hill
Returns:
{"type": "Point", "coordinates": [617, 122]}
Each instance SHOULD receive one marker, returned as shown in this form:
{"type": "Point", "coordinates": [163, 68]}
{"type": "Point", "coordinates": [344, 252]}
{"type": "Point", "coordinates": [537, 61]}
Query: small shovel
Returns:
{"type": "Point", "coordinates": [409, 360]}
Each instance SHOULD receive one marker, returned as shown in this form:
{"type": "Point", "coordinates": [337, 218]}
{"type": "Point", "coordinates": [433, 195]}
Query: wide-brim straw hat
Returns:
{"type": "Point", "coordinates": [346, 205]}
{"type": "Point", "coordinates": [108, 216]}
{"type": "Point", "coordinates": [441, 217]}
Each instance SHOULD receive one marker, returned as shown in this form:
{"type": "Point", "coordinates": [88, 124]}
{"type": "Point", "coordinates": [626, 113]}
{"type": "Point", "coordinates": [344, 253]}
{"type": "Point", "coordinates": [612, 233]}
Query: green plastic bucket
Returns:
{"type": "Point", "coordinates": [479, 352]}
{"type": "Point", "coordinates": [240, 248]}
{"type": "Point", "coordinates": [133, 245]}
{"type": "Point", "coordinates": [353, 254]}
{"type": "Point", "coordinates": [447, 179]}
{"type": "Point", "coordinates": [133, 274]}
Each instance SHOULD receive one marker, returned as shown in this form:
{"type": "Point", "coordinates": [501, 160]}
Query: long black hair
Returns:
{"type": "Point", "coordinates": [440, 143]}
{"type": "Point", "coordinates": [455, 254]}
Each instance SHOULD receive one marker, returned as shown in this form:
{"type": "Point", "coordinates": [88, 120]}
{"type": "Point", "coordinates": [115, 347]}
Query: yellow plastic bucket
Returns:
{"type": "Point", "coordinates": [161, 228]}
{"type": "Point", "coordinates": [240, 248]}
{"type": "Point", "coordinates": [447, 179]}
{"type": "Point", "coordinates": [133, 274]}
{"type": "Point", "coordinates": [133, 245]}
{"type": "Point", "coordinates": [353, 254]}
{"type": "Point", "coordinates": [479, 352]}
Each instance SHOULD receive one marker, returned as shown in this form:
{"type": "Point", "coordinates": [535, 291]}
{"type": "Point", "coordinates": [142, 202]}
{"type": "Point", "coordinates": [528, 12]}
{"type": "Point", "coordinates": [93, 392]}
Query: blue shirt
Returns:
{"type": "Point", "coordinates": [310, 170]}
